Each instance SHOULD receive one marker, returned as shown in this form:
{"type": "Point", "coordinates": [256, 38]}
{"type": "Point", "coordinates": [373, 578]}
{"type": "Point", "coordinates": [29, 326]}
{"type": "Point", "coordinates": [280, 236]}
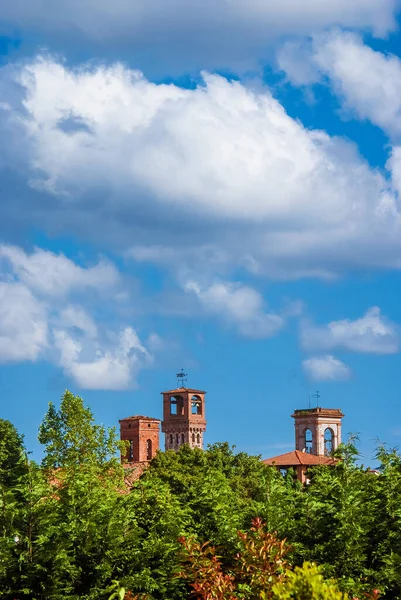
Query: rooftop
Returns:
{"type": "Point", "coordinates": [296, 457]}
{"type": "Point", "coordinates": [330, 412]}
{"type": "Point", "coordinates": [139, 418]}
{"type": "Point", "coordinates": [184, 389]}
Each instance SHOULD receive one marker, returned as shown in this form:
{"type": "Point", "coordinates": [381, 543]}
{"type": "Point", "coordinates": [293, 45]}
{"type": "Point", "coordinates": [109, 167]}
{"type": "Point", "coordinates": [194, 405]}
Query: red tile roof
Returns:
{"type": "Point", "coordinates": [296, 457]}
{"type": "Point", "coordinates": [133, 472]}
{"type": "Point", "coordinates": [178, 390]}
{"type": "Point", "coordinates": [138, 418]}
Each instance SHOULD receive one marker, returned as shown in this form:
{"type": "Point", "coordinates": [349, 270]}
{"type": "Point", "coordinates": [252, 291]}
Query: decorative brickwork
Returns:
{"type": "Point", "coordinates": [142, 433]}
{"type": "Point", "coordinates": [184, 419]}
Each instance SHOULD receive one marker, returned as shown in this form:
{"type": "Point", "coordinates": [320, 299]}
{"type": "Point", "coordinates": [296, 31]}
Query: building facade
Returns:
{"type": "Point", "coordinates": [142, 435]}
{"type": "Point", "coordinates": [184, 419]}
{"type": "Point", "coordinates": [317, 433]}
{"type": "Point", "coordinates": [318, 430]}
{"type": "Point", "coordinates": [184, 422]}
{"type": "Point", "coordinates": [317, 436]}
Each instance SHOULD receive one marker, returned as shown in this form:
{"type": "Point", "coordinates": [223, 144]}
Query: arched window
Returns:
{"type": "Point", "coordinates": [176, 405]}
{"type": "Point", "coordinates": [148, 449]}
{"type": "Point", "coordinates": [198, 438]}
{"type": "Point", "coordinates": [177, 438]}
{"type": "Point", "coordinates": [171, 439]}
{"type": "Point", "coordinates": [130, 453]}
{"type": "Point", "coordinates": [308, 441]}
{"type": "Point", "coordinates": [193, 438]}
{"type": "Point", "coordinates": [328, 441]}
{"type": "Point", "coordinates": [196, 405]}
{"type": "Point", "coordinates": [182, 438]}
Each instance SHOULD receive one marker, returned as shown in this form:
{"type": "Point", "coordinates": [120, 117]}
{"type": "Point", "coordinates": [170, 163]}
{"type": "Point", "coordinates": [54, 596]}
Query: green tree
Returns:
{"type": "Point", "coordinates": [72, 527]}
{"type": "Point", "coordinates": [336, 520]}
{"type": "Point", "coordinates": [307, 583]}
{"type": "Point", "coordinates": [72, 438]}
{"type": "Point", "coordinates": [13, 480]}
{"type": "Point", "coordinates": [80, 528]}
{"type": "Point", "coordinates": [12, 451]}
{"type": "Point", "coordinates": [83, 527]}
{"type": "Point", "coordinates": [386, 533]}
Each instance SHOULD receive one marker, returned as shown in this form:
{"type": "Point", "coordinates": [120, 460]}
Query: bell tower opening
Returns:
{"type": "Point", "coordinates": [176, 405]}
{"type": "Point", "coordinates": [328, 441]}
{"type": "Point", "coordinates": [196, 405]}
{"type": "Point", "coordinates": [183, 418]}
{"type": "Point", "coordinates": [308, 441]}
{"type": "Point", "coordinates": [318, 430]}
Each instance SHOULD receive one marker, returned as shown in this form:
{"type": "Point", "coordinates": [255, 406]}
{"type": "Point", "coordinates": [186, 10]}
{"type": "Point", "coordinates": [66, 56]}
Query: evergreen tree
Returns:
{"type": "Point", "coordinates": [12, 464]}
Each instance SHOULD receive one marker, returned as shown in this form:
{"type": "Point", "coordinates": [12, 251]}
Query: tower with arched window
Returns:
{"type": "Point", "coordinates": [142, 435]}
{"type": "Point", "coordinates": [184, 420]}
{"type": "Point", "coordinates": [318, 430]}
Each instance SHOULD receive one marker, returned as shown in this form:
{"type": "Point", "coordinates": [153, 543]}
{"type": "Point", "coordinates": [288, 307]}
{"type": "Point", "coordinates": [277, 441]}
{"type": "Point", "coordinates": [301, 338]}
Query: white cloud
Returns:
{"type": "Point", "coordinates": [367, 82]}
{"type": "Point", "coordinates": [35, 323]}
{"type": "Point", "coordinates": [188, 35]}
{"type": "Point", "coordinates": [76, 317]}
{"type": "Point", "coordinates": [295, 58]}
{"type": "Point", "coordinates": [394, 164]}
{"type": "Point", "coordinates": [54, 274]}
{"type": "Point", "coordinates": [239, 305]}
{"type": "Point", "coordinates": [112, 366]}
{"type": "Point", "coordinates": [260, 165]}
{"type": "Point", "coordinates": [23, 324]}
{"type": "Point", "coordinates": [262, 190]}
{"type": "Point", "coordinates": [326, 368]}
{"type": "Point", "coordinates": [372, 334]}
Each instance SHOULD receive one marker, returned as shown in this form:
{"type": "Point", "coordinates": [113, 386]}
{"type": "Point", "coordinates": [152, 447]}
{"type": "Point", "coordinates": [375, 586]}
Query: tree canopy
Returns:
{"type": "Point", "coordinates": [72, 528]}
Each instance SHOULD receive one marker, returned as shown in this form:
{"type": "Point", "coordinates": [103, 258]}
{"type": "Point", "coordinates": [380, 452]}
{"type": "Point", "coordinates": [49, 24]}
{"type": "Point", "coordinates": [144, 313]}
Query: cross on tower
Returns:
{"type": "Point", "coordinates": [181, 378]}
{"type": "Point", "coordinates": [316, 396]}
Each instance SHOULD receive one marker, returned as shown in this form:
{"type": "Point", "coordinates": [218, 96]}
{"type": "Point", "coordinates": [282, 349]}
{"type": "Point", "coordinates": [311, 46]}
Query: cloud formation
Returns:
{"type": "Point", "coordinates": [239, 305]}
{"type": "Point", "coordinates": [186, 36]}
{"type": "Point", "coordinates": [23, 324]}
{"type": "Point", "coordinates": [370, 334]}
{"type": "Point", "coordinates": [99, 366]}
{"type": "Point", "coordinates": [41, 320]}
{"type": "Point", "coordinates": [367, 82]}
{"type": "Point", "coordinates": [326, 368]}
{"type": "Point", "coordinates": [221, 167]}
{"type": "Point", "coordinates": [54, 274]}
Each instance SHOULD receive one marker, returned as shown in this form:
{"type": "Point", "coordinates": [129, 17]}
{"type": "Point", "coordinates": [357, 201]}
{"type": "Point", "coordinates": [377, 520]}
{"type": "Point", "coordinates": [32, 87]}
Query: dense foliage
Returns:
{"type": "Point", "coordinates": [72, 528]}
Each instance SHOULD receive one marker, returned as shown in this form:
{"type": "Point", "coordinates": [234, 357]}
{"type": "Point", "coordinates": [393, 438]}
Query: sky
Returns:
{"type": "Point", "coordinates": [206, 185]}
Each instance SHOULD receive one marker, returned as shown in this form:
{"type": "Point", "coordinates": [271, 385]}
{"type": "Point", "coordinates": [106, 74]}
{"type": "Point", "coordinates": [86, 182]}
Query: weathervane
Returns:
{"type": "Point", "coordinates": [181, 378]}
{"type": "Point", "coordinates": [316, 397]}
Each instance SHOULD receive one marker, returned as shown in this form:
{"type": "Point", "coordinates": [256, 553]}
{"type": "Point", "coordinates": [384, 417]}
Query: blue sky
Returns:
{"type": "Point", "coordinates": [207, 185]}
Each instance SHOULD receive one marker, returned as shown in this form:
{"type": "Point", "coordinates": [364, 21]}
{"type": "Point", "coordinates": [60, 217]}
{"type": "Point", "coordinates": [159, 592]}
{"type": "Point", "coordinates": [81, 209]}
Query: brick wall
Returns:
{"type": "Point", "coordinates": [142, 433]}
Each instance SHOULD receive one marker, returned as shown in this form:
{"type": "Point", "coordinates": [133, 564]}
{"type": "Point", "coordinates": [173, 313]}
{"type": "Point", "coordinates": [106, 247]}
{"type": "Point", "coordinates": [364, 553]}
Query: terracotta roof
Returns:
{"type": "Point", "coordinates": [178, 390]}
{"type": "Point", "coordinates": [138, 418]}
{"type": "Point", "coordinates": [133, 472]}
{"type": "Point", "coordinates": [296, 457]}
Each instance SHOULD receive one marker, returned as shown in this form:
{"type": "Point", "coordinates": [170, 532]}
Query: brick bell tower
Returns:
{"type": "Point", "coordinates": [142, 433]}
{"type": "Point", "coordinates": [184, 419]}
{"type": "Point", "coordinates": [318, 430]}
